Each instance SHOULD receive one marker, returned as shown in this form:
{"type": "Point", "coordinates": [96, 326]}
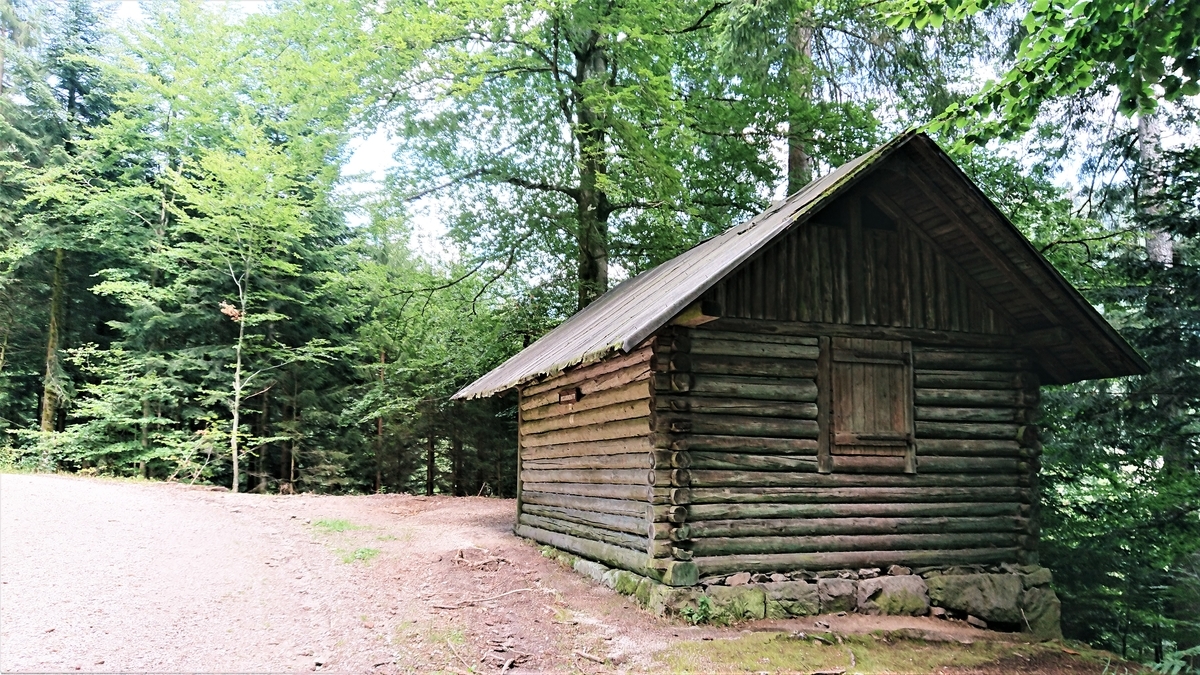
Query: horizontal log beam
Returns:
{"type": "Point", "coordinates": [743, 366]}
{"type": "Point", "coordinates": [858, 494]}
{"type": "Point", "coordinates": [736, 406]}
{"type": "Point", "coordinates": [757, 388]}
{"type": "Point", "coordinates": [615, 446]}
{"type": "Point", "coordinates": [806, 527]}
{"type": "Point", "coordinates": [763, 350]}
{"type": "Point", "coordinates": [620, 507]}
{"type": "Point", "coordinates": [702, 478]}
{"type": "Point", "coordinates": [974, 397]}
{"type": "Point", "coordinates": [735, 425]}
{"type": "Point", "coordinates": [738, 460]}
{"type": "Point", "coordinates": [707, 333]}
{"type": "Point", "coordinates": [614, 556]}
{"type": "Point", "coordinates": [959, 447]}
{"type": "Point", "coordinates": [966, 379]}
{"type": "Point", "coordinates": [633, 391]}
{"type": "Point", "coordinates": [610, 413]}
{"type": "Point", "coordinates": [592, 371]}
{"type": "Point", "coordinates": [628, 524]}
{"type": "Point", "coordinates": [971, 465]}
{"type": "Point", "coordinates": [631, 541]}
{"type": "Point", "coordinates": [966, 430]}
{"type": "Point", "coordinates": [638, 426]}
{"type": "Point", "coordinates": [946, 359]}
{"type": "Point", "coordinates": [782, 562]}
{"type": "Point", "coordinates": [938, 414]}
{"type": "Point", "coordinates": [641, 493]}
{"type": "Point", "coordinates": [867, 542]}
{"type": "Point", "coordinates": [757, 445]}
{"type": "Point", "coordinates": [705, 512]}
{"type": "Point", "coordinates": [607, 476]}
{"type": "Point", "coordinates": [637, 460]}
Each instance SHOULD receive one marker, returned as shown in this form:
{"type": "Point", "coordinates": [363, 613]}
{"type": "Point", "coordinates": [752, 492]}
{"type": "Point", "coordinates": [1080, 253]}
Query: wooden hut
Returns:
{"type": "Point", "coordinates": [848, 380]}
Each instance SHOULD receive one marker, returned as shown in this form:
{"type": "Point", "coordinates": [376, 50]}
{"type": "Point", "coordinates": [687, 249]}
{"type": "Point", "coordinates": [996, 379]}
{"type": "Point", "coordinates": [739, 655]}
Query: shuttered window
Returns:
{"type": "Point", "coordinates": [870, 422]}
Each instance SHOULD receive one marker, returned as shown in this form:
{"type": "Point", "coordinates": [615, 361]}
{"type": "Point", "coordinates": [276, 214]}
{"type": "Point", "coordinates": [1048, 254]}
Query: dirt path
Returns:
{"type": "Point", "coordinates": [107, 576]}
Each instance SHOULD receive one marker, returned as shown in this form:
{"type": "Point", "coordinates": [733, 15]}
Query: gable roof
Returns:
{"type": "Point", "coordinates": [633, 310]}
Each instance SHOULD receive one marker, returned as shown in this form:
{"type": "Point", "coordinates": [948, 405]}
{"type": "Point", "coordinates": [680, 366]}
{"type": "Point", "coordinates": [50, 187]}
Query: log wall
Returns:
{"type": "Point", "coordinates": [588, 469]}
{"type": "Point", "coordinates": [739, 412]}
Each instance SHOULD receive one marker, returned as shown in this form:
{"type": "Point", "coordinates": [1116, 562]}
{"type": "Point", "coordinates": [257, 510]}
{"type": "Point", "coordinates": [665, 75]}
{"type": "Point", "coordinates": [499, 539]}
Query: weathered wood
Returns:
{"type": "Point", "coordinates": [756, 388]}
{"type": "Point", "coordinates": [736, 425]}
{"type": "Point", "coordinates": [826, 494]}
{"type": "Point", "coordinates": [637, 460]}
{"type": "Point", "coordinates": [638, 426]}
{"type": "Point", "coordinates": [607, 521]}
{"type": "Point", "coordinates": [633, 391]}
{"type": "Point", "coordinates": [765, 350]}
{"type": "Point", "coordinates": [866, 542]}
{"type": "Point", "coordinates": [678, 496]}
{"type": "Point", "coordinates": [667, 514]}
{"type": "Point", "coordinates": [620, 507]}
{"type": "Point", "coordinates": [961, 359]}
{"type": "Point", "coordinates": [707, 333]}
{"type": "Point", "coordinates": [717, 478]}
{"type": "Point", "coordinates": [825, 406]}
{"type": "Point", "coordinates": [896, 463]}
{"type": "Point", "coordinates": [669, 478]}
{"type": "Point", "coordinates": [616, 446]}
{"type": "Point", "coordinates": [606, 414]}
{"type": "Point", "coordinates": [750, 444]}
{"type": "Point", "coordinates": [592, 371]}
{"type": "Point", "coordinates": [630, 541]}
{"type": "Point", "coordinates": [744, 366]}
{"type": "Point", "coordinates": [990, 398]}
{"type": "Point", "coordinates": [932, 414]}
{"type": "Point", "coordinates": [736, 406]}
{"type": "Point", "coordinates": [999, 432]}
{"type": "Point", "coordinates": [814, 329]}
{"type": "Point", "coordinates": [725, 564]}
{"type": "Point", "coordinates": [805, 527]}
{"type": "Point", "coordinates": [967, 379]}
{"type": "Point", "coordinates": [642, 493]}
{"type": "Point", "coordinates": [958, 447]}
{"type": "Point", "coordinates": [705, 512]}
{"type": "Point", "coordinates": [970, 465]}
{"type": "Point", "coordinates": [614, 556]}
{"type": "Point", "coordinates": [608, 476]}
{"type": "Point", "coordinates": [738, 460]}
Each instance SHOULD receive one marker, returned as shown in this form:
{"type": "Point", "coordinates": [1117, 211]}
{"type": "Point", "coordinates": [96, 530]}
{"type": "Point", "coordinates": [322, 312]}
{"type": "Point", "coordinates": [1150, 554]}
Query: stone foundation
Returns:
{"type": "Point", "coordinates": [1005, 597]}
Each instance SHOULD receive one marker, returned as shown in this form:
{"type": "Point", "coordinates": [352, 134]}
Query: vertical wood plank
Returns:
{"type": "Point", "coordinates": [855, 258]}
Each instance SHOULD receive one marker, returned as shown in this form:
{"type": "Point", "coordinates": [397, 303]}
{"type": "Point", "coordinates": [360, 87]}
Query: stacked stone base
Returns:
{"type": "Point", "coordinates": [1005, 597]}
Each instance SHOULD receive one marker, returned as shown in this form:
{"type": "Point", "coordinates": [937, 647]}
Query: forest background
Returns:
{"type": "Point", "coordinates": [195, 287]}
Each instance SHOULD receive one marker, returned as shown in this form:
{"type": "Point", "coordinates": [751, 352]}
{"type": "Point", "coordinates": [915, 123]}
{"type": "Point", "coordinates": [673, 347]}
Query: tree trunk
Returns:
{"type": "Point", "coordinates": [799, 169]}
{"type": "Point", "coordinates": [592, 205]}
{"type": "Point", "coordinates": [1160, 248]}
{"type": "Point", "coordinates": [52, 388]}
{"type": "Point", "coordinates": [429, 466]}
{"type": "Point", "coordinates": [379, 430]}
{"type": "Point", "coordinates": [236, 404]}
{"type": "Point", "coordinates": [263, 423]}
{"type": "Point", "coordinates": [456, 465]}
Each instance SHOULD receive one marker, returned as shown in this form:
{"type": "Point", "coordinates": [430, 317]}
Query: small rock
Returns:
{"type": "Point", "coordinates": [739, 579]}
{"type": "Point", "coordinates": [898, 571]}
{"type": "Point", "coordinates": [711, 581]}
{"type": "Point", "coordinates": [976, 621]}
{"type": "Point", "coordinates": [869, 573]}
{"type": "Point", "coordinates": [841, 614]}
{"type": "Point", "coordinates": [937, 612]}
{"type": "Point", "coordinates": [616, 658]}
{"type": "Point", "coordinates": [848, 574]}
{"type": "Point", "coordinates": [777, 577]}
{"type": "Point", "coordinates": [760, 578]}
{"type": "Point", "coordinates": [821, 624]}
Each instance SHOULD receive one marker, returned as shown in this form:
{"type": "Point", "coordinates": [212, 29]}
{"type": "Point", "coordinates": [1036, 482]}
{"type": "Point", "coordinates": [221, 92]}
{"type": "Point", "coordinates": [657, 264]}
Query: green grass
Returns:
{"type": "Point", "coordinates": [360, 555]}
{"type": "Point", "coordinates": [773, 652]}
{"type": "Point", "coordinates": [336, 525]}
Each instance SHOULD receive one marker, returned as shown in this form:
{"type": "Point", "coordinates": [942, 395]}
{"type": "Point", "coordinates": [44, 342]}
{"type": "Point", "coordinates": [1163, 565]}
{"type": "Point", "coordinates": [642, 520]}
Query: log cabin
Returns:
{"type": "Point", "coordinates": [850, 379]}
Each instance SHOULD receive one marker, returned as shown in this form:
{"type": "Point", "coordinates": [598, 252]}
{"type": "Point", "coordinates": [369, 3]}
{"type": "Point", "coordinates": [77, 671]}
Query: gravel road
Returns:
{"type": "Point", "coordinates": [103, 576]}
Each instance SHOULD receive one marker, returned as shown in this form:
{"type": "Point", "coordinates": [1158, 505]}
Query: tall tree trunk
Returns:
{"type": "Point", "coordinates": [145, 434]}
{"type": "Point", "coordinates": [799, 73]}
{"type": "Point", "coordinates": [456, 465]}
{"type": "Point", "coordinates": [52, 387]}
{"type": "Point", "coordinates": [429, 465]}
{"type": "Point", "coordinates": [236, 403]}
{"type": "Point", "coordinates": [379, 429]}
{"type": "Point", "coordinates": [1160, 248]}
{"type": "Point", "coordinates": [264, 450]}
{"type": "Point", "coordinates": [592, 207]}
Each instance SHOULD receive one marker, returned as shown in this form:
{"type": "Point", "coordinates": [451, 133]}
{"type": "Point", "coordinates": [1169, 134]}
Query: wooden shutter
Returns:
{"type": "Point", "coordinates": [871, 421]}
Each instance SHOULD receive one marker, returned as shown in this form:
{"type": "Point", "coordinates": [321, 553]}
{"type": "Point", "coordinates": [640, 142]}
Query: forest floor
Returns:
{"type": "Point", "coordinates": [103, 575]}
